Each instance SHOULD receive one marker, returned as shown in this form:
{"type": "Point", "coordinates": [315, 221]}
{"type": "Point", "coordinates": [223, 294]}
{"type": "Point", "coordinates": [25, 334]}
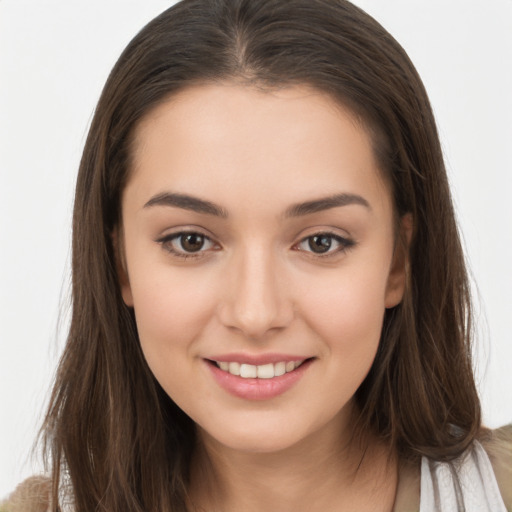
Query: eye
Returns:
{"type": "Point", "coordinates": [187, 244]}
{"type": "Point", "coordinates": [324, 243]}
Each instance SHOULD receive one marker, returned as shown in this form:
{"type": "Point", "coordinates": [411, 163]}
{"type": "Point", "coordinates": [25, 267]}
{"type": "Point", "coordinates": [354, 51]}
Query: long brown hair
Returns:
{"type": "Point", "coordinates": [113, 435]}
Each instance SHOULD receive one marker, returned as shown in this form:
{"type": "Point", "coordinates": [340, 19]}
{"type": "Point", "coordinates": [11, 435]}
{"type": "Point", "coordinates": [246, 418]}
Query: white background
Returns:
{"type": "Point", "coordinates": [54, 59]}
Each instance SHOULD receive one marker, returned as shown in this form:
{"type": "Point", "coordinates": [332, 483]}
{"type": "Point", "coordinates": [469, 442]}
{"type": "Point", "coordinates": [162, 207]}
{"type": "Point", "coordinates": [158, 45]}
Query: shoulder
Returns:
{"type": "Point", "coordinates": [438, 483]}
{"type": "Point", "coordinates": [498, 445]}
{"type": "Point", "coordinates": [32, 495]}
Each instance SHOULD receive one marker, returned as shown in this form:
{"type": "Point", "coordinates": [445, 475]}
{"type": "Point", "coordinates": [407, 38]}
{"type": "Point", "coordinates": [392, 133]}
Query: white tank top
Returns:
{"type": "Point", "coordinates": [466, 484]}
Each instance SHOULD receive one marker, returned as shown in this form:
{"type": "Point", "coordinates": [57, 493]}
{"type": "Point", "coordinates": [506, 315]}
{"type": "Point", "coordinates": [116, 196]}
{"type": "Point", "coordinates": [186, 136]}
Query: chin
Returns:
{"type": "Point", "coordinates": [270, 434]}
{"type": "Point", "coordinates": [260, 442]}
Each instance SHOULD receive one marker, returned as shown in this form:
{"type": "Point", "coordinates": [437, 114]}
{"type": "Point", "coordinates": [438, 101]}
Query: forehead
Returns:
{"type": "Point", "coordinates": [263, 145]}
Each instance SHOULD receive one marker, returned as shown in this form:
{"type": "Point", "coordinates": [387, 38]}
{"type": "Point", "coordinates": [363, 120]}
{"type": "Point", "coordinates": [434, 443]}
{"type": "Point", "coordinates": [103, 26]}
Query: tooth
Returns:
{"type": "Point", "coordinates": [279, 369]}
{"type": "Point", "coordinates": [248, 371]}
{"type": "Point", "coordinates": [234, 368]}
{"type": "Point", "coordinates": [265, 371]}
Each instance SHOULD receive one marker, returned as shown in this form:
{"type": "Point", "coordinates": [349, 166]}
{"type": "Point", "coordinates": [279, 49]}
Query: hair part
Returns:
{"type": "Point", "coordinates": [111, 430]}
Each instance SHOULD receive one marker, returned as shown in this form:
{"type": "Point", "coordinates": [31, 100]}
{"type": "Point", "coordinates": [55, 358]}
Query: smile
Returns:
{"type": "Point", "coordinates": [264, 371]}
{"type": "Point", "coordinates": [257, 381]}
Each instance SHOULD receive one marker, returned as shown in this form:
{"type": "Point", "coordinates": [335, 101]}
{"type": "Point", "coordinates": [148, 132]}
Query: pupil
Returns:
{"type": "Point", "coordinates": [320, 243]}
{"type": "Point", "coordinates": [192, 242]}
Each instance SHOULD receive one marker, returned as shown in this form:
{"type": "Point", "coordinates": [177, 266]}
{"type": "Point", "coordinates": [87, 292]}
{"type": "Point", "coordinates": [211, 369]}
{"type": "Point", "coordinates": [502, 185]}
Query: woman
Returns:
{"type": "Point", "coordinates": [270, 305]}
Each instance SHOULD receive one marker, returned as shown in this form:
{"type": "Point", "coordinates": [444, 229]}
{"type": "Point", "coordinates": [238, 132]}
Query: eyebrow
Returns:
{"type": "Point", "coordinates": [188, 202]}
{"type": "Point", "coordinates": [326, 203]}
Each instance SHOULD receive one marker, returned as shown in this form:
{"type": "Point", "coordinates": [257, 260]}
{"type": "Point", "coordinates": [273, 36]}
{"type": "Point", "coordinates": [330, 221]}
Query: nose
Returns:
{"type": "Point", "coordinates": [256, 299]}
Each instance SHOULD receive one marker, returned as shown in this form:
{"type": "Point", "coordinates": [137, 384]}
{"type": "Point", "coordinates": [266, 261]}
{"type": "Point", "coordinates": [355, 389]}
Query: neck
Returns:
{"type": "Point", "coordinates": [323, 472]}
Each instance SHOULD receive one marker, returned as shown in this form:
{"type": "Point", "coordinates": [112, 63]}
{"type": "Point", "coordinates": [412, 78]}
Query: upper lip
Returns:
{"type": "Point", "coordinates": [257, 359]}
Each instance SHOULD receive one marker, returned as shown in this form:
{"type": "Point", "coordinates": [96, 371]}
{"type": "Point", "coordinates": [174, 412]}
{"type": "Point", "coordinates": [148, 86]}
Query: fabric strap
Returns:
{"type": "Point", "coordinates": [466, 484]}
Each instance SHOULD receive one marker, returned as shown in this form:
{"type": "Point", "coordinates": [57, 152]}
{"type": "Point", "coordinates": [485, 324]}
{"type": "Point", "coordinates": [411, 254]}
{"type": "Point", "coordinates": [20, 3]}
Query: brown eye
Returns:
{"type": "Point", "coordinates": [187, 244]}
{"type": "Point", "coordinates": [320, 243]}
{"type": "Point", "coordinates": [324, 244]}
{"type": "Point", "coordinates": [191, 242]}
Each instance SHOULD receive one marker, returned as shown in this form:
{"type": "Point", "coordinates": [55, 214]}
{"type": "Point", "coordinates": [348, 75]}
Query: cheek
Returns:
{"type": "Point", "coordinates": [171, 311]}
{"type": "Point", "coordinates": [347, 311]}
{"type": "Point", "coordinates": [347, 315]}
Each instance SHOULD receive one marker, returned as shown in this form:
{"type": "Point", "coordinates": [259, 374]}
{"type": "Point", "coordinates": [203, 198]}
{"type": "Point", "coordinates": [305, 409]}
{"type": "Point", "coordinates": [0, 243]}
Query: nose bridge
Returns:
{"type": "Point", "coordinates": [255, 302]}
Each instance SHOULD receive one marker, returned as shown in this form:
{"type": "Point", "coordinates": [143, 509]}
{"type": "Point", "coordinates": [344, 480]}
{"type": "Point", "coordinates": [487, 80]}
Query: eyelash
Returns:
{"type": "Point", "coordinates": [343, 244]}
{"type": "Point", "coordinates": [166, 242]}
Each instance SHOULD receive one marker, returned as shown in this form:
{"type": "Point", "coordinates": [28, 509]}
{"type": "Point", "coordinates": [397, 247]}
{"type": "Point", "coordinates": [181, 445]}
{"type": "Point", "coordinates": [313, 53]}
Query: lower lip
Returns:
{"type": "Point", "coordinates": [258, 389]}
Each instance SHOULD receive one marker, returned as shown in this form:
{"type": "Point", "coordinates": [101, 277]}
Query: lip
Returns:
{"type": "Point", "coordinates": [257, 359]}
{"type": "Point", "coordinates": [258, 389]}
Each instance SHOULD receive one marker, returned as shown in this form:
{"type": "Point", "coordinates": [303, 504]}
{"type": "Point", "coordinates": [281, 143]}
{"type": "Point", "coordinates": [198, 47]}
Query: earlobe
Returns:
{"type": "Point", "coordinates": [122, 273]}
{"type": "Point", "coordinates": [398, 274]}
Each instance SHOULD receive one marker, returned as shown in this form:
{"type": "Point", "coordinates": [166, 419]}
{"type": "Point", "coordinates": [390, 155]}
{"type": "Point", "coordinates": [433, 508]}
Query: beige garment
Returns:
{"type": "Point", "coordinates": [32, 495]}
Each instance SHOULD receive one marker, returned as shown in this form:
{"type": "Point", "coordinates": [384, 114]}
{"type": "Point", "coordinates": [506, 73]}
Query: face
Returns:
{"type": "Point", "coordinates": [258, 255]}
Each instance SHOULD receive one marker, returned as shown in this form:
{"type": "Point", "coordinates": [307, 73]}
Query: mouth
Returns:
{"type": "Point", "coordinates": [263, 371]}
{"type": "Point", "coordinates": [258, 381]}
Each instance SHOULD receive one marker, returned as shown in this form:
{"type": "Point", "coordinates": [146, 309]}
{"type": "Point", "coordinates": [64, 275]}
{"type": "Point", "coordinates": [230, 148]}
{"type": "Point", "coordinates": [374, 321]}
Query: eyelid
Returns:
{"type": "Point", "coordinates": [166, 242]}
{"type": "Point", "coordinates": [344, 243]}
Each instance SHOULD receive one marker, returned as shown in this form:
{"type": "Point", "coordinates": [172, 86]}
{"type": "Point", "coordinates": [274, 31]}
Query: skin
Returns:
{"type": "Point", "coordinates": [257, 286]}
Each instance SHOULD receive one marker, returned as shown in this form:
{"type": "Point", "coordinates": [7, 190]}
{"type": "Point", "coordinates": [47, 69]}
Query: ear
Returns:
{"type": "Point", "coordinates": [398, 274]}
{"type": "Point", "coordinates": [122, 272]}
